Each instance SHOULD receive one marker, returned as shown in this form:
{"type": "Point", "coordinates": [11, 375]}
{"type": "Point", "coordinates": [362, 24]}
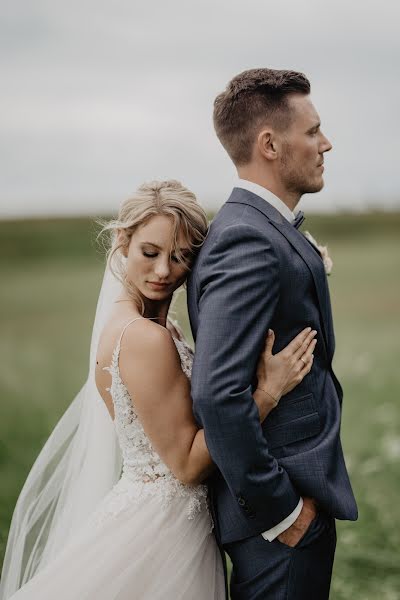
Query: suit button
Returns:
{"type": "Point", "coordinates": [241, 501]}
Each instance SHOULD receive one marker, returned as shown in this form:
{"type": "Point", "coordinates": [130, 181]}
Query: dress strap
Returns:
{"type": "Point", "coordinates": [113, 368]}
{"type": "Point", "coordinates": [125, 326]}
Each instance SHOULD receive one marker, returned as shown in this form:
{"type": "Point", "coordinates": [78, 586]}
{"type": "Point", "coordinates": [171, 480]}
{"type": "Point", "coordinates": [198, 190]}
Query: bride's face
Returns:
{"type": "Point", "coordinates": [152, 265]}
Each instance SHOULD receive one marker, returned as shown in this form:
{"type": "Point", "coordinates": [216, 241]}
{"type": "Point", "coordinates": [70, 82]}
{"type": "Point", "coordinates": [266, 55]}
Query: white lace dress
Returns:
{"type": "Point", "coordinates": [151, 537]}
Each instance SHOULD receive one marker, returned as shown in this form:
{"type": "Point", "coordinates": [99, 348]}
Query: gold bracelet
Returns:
{"type": "Point", "coordinates": [270, 395]}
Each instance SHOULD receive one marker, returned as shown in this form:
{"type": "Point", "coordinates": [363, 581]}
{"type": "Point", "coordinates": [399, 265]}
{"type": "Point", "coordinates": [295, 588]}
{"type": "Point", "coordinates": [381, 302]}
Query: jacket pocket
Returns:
{"type": "Point", "coordinates": [296, 420]}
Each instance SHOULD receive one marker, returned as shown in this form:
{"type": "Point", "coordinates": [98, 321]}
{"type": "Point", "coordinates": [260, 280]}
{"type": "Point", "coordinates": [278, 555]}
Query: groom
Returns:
{"type": "Point", "coordinates": [279, 486]}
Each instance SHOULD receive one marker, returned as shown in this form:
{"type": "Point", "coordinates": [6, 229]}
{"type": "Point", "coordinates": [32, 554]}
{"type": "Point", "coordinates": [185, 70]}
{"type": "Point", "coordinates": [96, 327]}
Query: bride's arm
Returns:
{"type": "Point", "coordinates": [150, 368]}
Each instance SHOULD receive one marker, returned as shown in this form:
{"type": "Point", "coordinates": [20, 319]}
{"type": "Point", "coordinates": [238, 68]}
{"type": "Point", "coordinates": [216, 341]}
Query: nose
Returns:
{"type": "Point", "coordinates": [325, 144]}
{"type": "Point", "coordinates": [162, 268]}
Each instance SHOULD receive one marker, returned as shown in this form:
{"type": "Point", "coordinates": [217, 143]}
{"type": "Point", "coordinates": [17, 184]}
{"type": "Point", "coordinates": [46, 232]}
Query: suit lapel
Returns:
{"type": "Point", "coordinates": [307, 251]}
{"type": "Point", "coordinates": [316, 267]}
{"type": "Point", "coordinates": [313, 246]}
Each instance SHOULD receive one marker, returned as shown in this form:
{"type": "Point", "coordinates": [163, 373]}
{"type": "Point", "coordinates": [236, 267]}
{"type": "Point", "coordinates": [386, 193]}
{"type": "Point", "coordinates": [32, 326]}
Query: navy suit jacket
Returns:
{"type": "Point", "coordinates": [256, 271]}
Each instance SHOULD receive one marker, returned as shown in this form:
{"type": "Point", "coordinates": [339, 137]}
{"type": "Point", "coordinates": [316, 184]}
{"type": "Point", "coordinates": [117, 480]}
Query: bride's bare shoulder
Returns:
{"type": "Point", "coordinates": [148, 359]}
{"type": "Point", "coordinates": [143, 344]}
{"type": "Point", "coordinates": [145, 337]}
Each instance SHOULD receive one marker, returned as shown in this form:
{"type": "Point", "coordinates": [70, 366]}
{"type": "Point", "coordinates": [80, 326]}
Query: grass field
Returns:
{"type": "Point", "coordinates": [50, 273]}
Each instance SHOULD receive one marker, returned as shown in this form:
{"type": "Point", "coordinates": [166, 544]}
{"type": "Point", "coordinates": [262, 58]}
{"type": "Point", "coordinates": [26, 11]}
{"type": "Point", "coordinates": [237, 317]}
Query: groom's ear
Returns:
{"type": "Point", "coordinates": [267, 144]}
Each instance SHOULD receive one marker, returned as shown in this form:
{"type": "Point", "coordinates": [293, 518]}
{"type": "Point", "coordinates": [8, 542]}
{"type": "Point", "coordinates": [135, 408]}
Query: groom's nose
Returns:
{"type": "Point", "coordinates": [325, 144]}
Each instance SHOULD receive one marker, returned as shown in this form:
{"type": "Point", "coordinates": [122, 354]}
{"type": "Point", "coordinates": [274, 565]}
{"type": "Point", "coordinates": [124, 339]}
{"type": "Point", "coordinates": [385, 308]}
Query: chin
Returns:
{"type": "Point", "coordinates": [153, 295]}
{"type": "Point", "coordinates": [158, 295]}
{"type": "Point", "coordinates": [315, 187]}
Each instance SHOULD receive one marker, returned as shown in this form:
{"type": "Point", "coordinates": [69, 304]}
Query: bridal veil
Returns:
{"type": "Point", "coordinates": [80, 462]}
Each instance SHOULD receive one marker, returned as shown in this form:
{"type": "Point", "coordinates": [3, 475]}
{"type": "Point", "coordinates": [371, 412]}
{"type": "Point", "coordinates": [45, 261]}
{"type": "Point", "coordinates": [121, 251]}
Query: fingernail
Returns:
{"type": "Point", "coordinates": [269, 332]}
{"type": "Point", "coordinates": [308, 328]}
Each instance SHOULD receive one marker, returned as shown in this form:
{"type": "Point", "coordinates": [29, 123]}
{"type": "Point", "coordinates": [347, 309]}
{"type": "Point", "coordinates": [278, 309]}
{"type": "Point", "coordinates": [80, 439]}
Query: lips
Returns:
{"type": "Point", "coordinates": [159, 286]}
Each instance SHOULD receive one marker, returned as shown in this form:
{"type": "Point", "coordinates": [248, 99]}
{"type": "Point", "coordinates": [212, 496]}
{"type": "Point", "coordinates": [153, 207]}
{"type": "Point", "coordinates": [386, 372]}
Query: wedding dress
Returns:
{"type": "Point", "coordinates": [149, 538]}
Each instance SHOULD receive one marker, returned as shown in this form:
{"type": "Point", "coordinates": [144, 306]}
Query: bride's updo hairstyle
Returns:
{"type": "Point", "coordinates": [169, 198]}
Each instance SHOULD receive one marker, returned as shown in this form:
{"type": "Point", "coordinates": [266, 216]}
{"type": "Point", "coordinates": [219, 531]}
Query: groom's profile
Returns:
{"type": "Point", "coordinates": [279, 486]}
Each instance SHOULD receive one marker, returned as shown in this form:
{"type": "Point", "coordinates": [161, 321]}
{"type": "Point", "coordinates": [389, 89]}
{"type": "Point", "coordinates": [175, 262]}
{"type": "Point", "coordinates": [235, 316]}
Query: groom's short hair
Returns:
{"type": "Point", "coordinates": [251, 99]}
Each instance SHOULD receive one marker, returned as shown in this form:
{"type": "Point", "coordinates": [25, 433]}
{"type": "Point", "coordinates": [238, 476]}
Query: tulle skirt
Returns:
{"type": "Point", "coordinates": [143, 550]}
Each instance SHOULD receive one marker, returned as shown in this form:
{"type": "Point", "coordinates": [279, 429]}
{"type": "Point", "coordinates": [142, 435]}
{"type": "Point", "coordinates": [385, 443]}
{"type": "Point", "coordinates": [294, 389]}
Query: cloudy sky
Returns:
{"type": "Point", "coordinates": [99, 96]}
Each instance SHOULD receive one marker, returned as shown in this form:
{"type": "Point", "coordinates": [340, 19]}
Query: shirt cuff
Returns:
{"type": "Point", "coordinates": [273, 533]}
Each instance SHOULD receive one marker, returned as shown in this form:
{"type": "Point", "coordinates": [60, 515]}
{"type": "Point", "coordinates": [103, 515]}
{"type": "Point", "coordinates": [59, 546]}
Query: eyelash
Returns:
{"type": "Point", "coordinates": [148, 255]}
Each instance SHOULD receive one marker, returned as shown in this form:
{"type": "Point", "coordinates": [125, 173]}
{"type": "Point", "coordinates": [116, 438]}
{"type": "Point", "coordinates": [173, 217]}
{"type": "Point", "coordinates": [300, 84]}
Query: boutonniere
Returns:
{"type": "Point", "coordinates": [323, 250]}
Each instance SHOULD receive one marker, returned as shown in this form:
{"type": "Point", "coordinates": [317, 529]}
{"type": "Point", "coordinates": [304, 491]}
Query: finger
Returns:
{"type": "Point", "coordinates": [269, 341]}
{"type": "Point", "coordinates": [297, 342]}
{"type": "Point", "coordinates": [307, 356]}
{"type": "Point", "coordinates": [310, 364]}
{"type": "Point", "coordinates": [307, 359]}
{"type": "Point", "coordinates": [305, 345]}
{"type": "Point", "coordinates": [310, 350]}
{"type": "Point", "coordinates": [306, 368]}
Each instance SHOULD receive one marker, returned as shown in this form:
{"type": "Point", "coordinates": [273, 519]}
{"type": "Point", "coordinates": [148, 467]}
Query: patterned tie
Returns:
{"type": "Point", "coordinates": [299, 218]}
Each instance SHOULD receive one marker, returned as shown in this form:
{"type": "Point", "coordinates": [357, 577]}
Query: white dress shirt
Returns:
{"type": "Point", "coordinates": [277, 203]}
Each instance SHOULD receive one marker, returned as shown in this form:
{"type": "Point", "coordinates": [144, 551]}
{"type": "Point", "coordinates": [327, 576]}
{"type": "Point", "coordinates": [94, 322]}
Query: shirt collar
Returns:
{"type": "Point", "coordinates": [268, 196]}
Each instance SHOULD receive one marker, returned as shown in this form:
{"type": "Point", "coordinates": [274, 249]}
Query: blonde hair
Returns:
{"type": "Point", "coordinates": [169, 198]}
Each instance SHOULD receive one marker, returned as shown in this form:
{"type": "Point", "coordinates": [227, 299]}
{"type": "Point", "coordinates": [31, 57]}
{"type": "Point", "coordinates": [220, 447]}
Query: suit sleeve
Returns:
{"type": "Point", "coordinates": [238, 295]}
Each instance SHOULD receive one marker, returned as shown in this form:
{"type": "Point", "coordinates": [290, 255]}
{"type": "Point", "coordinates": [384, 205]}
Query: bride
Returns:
{"type": "Point", "coordinates": [115, 506]}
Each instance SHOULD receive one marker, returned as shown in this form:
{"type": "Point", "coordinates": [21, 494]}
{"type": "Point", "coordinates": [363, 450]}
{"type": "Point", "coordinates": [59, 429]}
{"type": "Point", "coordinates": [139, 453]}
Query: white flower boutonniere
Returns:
{"type": "Point", "coordinates": [328, 263]}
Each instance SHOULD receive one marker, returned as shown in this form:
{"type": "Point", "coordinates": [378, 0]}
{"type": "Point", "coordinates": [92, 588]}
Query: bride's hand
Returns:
{"type": "Point", "coordinates": [279, 373]}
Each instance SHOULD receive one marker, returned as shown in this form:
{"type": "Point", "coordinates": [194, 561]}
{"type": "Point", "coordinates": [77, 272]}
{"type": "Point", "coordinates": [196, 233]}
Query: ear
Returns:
{"type": "Point", "coordinates": [123, 239]}
{"type": "Point", "coordinates": [267, 144]}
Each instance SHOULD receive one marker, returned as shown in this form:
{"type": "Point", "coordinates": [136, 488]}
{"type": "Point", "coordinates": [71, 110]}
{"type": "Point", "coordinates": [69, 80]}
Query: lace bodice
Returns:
{"type": "Point", "coordinates": [141, 464]}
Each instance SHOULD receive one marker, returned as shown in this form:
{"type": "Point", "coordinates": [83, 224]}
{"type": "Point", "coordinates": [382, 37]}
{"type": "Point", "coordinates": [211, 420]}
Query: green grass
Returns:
{"type": "Point", "coordinates": [366, 298]}
{"type": "Point", "coordinates": [50, 274]}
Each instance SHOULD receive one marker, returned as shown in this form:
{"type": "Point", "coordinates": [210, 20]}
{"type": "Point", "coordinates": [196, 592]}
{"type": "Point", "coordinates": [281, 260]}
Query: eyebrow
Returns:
{"type": "Point", "coordinates": [183, 250]}
{"type": "Point", "coordinates": [316, 126]}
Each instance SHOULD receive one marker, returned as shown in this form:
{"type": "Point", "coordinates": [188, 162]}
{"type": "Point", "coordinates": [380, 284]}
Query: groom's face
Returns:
{"type": "Point", "coordinates": [302, 148]}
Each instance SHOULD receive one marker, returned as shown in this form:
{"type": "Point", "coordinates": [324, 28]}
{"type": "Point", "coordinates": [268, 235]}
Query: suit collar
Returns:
{"type": "Point", "coordinates": [242, 196]}
{"type": "Point", "coordinates": [268, 196]}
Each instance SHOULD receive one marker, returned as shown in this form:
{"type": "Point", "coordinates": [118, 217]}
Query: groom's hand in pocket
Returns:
{"type": "Point", "coordinates": [295, 532]}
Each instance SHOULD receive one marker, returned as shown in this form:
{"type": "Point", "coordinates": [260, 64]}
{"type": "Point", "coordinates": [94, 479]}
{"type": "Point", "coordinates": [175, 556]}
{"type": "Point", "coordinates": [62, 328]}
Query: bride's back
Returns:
{"type": "Point", "coordinates": [108, 341]}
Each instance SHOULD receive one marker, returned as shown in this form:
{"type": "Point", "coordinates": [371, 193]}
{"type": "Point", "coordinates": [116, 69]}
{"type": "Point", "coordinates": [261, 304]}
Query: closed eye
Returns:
{"type": "Point", "coordinates": [315, 129]}
{"type": "Point", "coordinates": [174, 258]}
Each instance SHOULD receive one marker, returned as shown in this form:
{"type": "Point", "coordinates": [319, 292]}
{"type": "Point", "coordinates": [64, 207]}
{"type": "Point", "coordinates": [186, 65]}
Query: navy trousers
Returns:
{"type": "Point", "coordinates": [265, 570]}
